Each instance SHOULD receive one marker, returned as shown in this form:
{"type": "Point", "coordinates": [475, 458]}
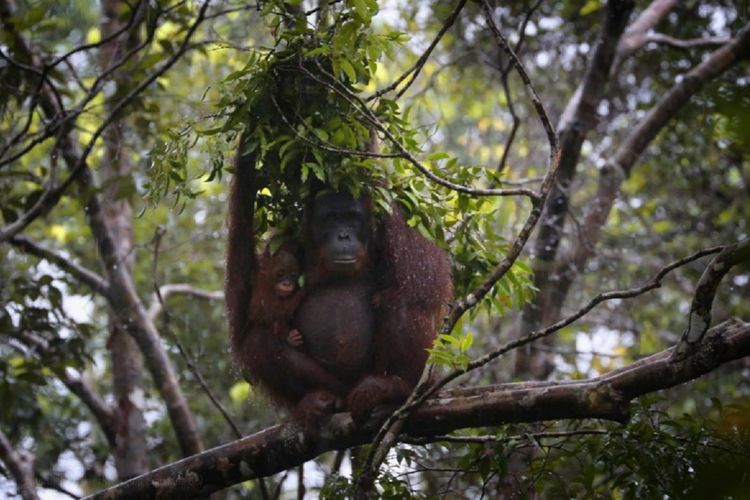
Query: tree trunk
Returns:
{"type": "Point", "coordinates": [127, 361]}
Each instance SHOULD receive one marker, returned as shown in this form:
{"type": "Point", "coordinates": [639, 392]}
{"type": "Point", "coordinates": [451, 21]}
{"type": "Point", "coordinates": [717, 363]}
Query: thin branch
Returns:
{"type": "Point", "coordinates": [44, 203]}
{"type": "Point", "coordinates": [360, 106]}
{"type": "Point", "coordinates": [577, 120]}
{"type": "Point", "coordinates": [636, 35]}
{"type": "Point", "coordinates": [690, 43]}
{"type": "Point", "coordinates": [394, 423]}
{"type": "Point", "coordinates": [96, 282]}
{"type": "Point", "coordinates": [224, 12]}
{"type": "Point", "coordinates": [181, 348]}
{"type": "Point", "coordinates": [504, 439]}
{"type": "Point", "coordinates": [323, 144]}
{"type": "Point", "coordinates": [504, 73]}
{"type": "Point", "coordinates": [166, 291]}
{"type": "Point", "coordinates": [125, 302]}
{"type": "Point", "coordinates": [79, 385]}
{"type": "Point", "coordinates": [651, 284]}
{"type": "Point", "coordinates": [20, 467]}
{"type": "Point", "coordinates": [700, 310]}
{"type": "Point", "coordinates": [79, 160]}
{"type": "Point", "coordinates": [389, 431]}
{"type": "Point", "coordinates": [416, 68]}
{"type": "Point", "coordinates": [88, 46]}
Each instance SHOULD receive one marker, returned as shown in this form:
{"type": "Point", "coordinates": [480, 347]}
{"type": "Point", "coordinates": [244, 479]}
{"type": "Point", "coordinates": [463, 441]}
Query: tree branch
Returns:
{"type": "Point", "coordinates": [123, 296]}
{"type": "Point", "coordinates": [700, 310]}
{"type": "Point", "coordinates": [20, 468]}
{"type": "Point", "coordinates": [636, 35]}
{"type": "Point", "coordinates": [86, 276]}
{"type": "Point", "coordinates": [166, 291]}
{"type": "Point", "coordinates": [619, 166]}
{"type": "Point", "coordinates": [686, 44]}
{"type": "Point", "coordinates": [576, 122]}
{"type": "Point", "coordinates": [283, 446]}
{"type": "Point", "coordinates": [79, 385]}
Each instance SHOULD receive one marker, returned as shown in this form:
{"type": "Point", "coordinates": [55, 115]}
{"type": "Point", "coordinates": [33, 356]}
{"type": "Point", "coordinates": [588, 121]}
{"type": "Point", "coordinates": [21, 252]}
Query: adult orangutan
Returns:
{"type": "Point", "coordinates": [374, 294]}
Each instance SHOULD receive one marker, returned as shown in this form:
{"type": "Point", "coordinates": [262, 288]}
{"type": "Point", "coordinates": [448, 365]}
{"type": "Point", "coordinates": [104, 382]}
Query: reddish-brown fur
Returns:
{"type": "Point", "coordinates": [270, 305]}
{"type": "Point", "coordinates": [408, 280]}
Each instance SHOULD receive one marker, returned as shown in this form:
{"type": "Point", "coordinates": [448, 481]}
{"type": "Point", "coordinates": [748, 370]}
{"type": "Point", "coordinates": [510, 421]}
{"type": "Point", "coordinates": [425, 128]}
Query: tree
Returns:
{"type": "Point", "coordinates": [585, 164]}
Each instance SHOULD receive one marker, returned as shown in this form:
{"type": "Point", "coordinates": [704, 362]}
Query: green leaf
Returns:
{"type": "Point", "coordinates": [466, 342]}
{"type": "Point", "coordinates": [348, 70]}
{"type": "Point", "coordinates": [590, 7]}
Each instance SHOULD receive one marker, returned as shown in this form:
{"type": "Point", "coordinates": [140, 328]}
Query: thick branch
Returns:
{"type": "Point", "coordinates": [20, 468]}
{"type": "Point", "coordinates": [283, 446]}
{"type": "Point", "coordinates": [81, 386]}
{"type": "Point", "coordinates": [636, 35]}
{"type": "Point", "coordinates": [703, 298]}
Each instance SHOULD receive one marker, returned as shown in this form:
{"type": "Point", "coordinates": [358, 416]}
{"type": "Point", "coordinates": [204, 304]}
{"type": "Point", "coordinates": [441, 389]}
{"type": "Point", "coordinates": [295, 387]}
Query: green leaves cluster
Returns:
{"type": "Point", "coordinates": [302, 113]}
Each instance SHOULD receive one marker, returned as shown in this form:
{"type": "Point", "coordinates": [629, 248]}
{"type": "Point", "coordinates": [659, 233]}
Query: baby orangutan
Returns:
{"type": "Point", "coordinates": [276, 294]}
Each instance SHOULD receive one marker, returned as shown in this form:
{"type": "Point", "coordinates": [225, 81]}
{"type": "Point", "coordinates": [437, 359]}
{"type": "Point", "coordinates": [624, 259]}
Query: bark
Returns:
{"type": "Point", "coordinates": [127, 360]}
{"type": "Point", "coordinates": [284, 446]}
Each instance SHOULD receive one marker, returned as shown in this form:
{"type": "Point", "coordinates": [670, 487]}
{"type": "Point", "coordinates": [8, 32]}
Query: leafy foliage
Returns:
{"type": "Point", "coordinates": [301, 90]}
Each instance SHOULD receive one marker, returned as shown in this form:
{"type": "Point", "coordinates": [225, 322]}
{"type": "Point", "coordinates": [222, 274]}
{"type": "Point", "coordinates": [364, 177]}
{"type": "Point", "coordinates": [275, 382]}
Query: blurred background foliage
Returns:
{"type": "Point", "coordinates": [690, 190]}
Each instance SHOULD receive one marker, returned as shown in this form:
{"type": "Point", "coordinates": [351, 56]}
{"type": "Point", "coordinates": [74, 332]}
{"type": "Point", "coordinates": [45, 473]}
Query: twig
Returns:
{"type": "Point", "coordinates": [160, 231]}
{"type": "Point", "coordinates": [416, 68]}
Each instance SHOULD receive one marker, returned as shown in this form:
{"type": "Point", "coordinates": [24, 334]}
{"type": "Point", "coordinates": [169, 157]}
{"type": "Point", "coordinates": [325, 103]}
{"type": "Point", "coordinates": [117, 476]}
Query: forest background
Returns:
{"type": "Point", "coordinates": [586, 165]}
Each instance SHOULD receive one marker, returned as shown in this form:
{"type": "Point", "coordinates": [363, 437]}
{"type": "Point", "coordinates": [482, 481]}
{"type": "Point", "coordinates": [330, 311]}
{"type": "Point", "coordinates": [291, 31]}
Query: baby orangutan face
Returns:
{"type": "Point", "coordinates": [286, 272]}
